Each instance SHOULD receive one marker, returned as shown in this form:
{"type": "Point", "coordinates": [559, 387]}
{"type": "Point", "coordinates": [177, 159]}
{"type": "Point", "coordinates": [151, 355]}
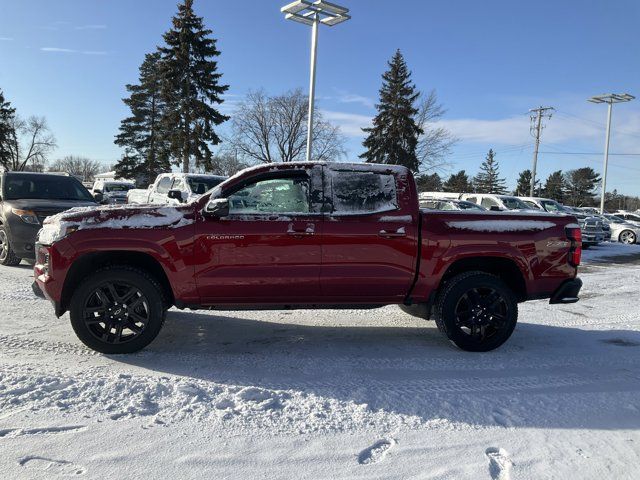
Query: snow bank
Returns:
{"type": "Point", "coordinates": [501, 225]}
{"type": "Point", "coordinates": [110, 217]}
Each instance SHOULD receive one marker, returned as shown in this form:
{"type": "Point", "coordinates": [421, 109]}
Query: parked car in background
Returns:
{"type": "Point", "coordinates": [630, 217]}
{"type": "Point", "coordinates": [304, 235]}
{"type": "Point", "coordinates": [449, 204]}
{"type": "Point", "coordinates": [621, 230]}
{"type": "Point", "coordinates": [111, 191]}
{"type": "Point", "coordinates": [497, 202]}
{"type": "Point", "coordinates": [594, 229]}
{"type": "Point", "coordinates": [175, 188]}
{"type": "Point", "coordinates": [26, 199]}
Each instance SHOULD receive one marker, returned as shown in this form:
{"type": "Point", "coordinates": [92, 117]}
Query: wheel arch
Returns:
{"type": "Point", "coordinates": [504, 268]}
{"type": "Point", "coordinates": [90, 262]}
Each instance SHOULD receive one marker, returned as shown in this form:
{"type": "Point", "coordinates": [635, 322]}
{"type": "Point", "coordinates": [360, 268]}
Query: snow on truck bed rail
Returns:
{"type": "Point", "coordinates": [111, 217]}
{"type": "Point", "coordinates": [500, 225]}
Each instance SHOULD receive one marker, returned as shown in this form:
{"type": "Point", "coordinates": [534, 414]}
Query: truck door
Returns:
{"type": "Point", "coordinates": [267, 250]}
{"type": "Point", "coordinates": [369, 245]}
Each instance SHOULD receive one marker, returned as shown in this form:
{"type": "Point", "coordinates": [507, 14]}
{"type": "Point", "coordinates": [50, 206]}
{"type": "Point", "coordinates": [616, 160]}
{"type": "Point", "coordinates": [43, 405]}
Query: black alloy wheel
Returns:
{"type": "Point", "coordinates": [476, 311]}
{"type": "Point", "coordinates": [118, 309]}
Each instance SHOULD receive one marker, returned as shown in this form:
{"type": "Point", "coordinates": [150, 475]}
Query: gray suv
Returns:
{"type": "Point", "coordinates": [26, 199]}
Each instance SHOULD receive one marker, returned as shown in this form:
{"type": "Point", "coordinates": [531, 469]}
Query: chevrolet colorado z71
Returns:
{"type": "Point", "coordinates": [303, 235]}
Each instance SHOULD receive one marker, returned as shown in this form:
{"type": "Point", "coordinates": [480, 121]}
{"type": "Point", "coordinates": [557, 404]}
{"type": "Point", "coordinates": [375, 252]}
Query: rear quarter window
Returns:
{"type": "Point", "coordinates": [363, 192]}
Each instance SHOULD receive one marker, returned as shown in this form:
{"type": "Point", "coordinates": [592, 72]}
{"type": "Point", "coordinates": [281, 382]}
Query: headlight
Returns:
{"type": "Point", "coordinates": [53, 232]}
{"type": "Point", "coordinates": [27, 216]}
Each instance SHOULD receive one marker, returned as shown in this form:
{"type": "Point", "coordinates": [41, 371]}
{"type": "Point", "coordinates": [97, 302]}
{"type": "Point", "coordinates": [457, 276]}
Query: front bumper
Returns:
{"type": "Point", "coordinates": [567, 292]}
{"type": "Point", "coordinates": [22, 237]}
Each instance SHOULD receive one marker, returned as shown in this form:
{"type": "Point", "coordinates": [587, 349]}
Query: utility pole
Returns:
{"type": "Point", "coordinates": [609, 99]}
{"type": "Point", "coordinates": [537, 114]}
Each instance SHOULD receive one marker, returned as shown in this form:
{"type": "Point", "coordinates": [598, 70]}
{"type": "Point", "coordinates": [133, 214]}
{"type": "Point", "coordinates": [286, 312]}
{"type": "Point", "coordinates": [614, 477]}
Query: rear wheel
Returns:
{"type": "Point", "coordinates": [117, 310]}
{"type": "Point", "coordinates": [476, 311]}
{"type": "Point", "coordinates": [628, 237]}
{"type": "Point", "coordinates": [7, 257]}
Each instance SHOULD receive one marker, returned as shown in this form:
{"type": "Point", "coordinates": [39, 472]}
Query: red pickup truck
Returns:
{"type": "Point", "coordinates": [303, 235]}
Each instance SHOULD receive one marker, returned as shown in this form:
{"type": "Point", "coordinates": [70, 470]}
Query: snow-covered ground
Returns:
{"type": "Point", "coordinates": [329, 394]}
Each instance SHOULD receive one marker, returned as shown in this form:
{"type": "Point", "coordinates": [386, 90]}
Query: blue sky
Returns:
{"type": "Point", "coordinates": [490, 62]}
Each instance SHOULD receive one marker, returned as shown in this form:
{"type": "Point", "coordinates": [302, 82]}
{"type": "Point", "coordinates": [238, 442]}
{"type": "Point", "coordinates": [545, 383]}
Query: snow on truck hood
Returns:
{"type": "Point", "coordinates": [58, 226]}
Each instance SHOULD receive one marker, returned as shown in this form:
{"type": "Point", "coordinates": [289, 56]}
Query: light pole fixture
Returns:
{"type": "Point", "coordinates": [610, 99]}
{"type": "Point", "coordinates": [313, 13]}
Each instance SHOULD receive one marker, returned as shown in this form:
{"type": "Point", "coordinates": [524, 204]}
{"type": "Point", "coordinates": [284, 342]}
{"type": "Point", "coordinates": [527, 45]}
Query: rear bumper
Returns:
{"type": "Point", "coordinates": [567, 292]}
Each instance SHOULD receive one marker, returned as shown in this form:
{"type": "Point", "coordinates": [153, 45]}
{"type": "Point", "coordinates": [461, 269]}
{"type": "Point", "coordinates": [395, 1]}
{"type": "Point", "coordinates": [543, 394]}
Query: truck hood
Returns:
{"type": "Point", "coordinates": [113, 217]}
{"type": "Point", "coordinates": [52, 205]}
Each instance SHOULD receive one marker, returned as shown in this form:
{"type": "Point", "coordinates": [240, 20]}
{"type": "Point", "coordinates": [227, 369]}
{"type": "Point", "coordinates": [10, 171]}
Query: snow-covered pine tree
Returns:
{"type": "Point", "coordinates": [191, 87]}
{"type": "Point", "coordinates": [394, 135]}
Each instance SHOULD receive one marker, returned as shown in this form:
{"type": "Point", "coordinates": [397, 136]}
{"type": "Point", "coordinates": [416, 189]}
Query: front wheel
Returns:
{"type": "Point", "coordinates": [476, 311]}
{"type": "Point", "coordinates": [117, 310]}
{"type": "Point", "coordinates": [7, 257]}
{"type": "Point", "coordinates": [628, 237]}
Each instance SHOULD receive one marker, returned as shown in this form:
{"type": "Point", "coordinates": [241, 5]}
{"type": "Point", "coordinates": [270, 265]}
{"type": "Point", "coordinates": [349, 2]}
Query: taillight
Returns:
{"type": "Point", "coordinates": [575, 251]}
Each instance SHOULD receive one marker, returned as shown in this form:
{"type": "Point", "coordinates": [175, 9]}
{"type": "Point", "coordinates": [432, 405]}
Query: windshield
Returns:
{"type": "Point", "coordinates": [614, 219]}
{"type": "Point", "coordinates": [44, 187]}
{"type": "Point", "coordinates": [200, 185]}
{"type": "Point", "coordinates": [551, 206]}
{"type": "Point", "coordinates": [117, 187]}
{"type": "Point", "coordinates": [513, 203]}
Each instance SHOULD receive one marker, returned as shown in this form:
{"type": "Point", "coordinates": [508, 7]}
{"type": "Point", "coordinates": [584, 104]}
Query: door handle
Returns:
{"type": "Point", "coordinates": [300, 233]}
{"type": "Point", "coordinates": [397, 234]}
{"type": "Point", "coordinates": [308, 231]}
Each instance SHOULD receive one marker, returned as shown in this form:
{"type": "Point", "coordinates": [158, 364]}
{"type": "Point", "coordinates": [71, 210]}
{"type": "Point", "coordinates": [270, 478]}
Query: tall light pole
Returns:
{"type": "Point", "coordinates": [314, 13]}
{"type": "Point", "coordinates": [609, 98]}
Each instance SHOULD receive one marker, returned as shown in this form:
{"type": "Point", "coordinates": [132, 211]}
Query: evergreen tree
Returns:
{"type": "Point", "coordinates": [191, 86]}
{"type": "Point", "coordinates": [458, 183]}
{"type": "Point", "coordinates": [394, 135]}
{"type": "Point", "coordinates": [523, 187]}
{"type": "Point", "coordinates": [6, 128]}
{"type": "Point", "coordinates": [488, 179]}
{"type": "Point", "coordinates": [141, 135]}
{"type": "Point", "coordinates": [429, 183]}
{"type": "Point", "coordinates": [555, 187]}
{"type": "Point", "coordinates": [581, 185]}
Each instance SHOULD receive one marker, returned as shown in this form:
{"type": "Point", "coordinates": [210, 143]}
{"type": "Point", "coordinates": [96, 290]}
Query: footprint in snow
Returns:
{"type": "Point", "coordinates": [376, 452]}
{"type": "Point", "coordinates": [52, 467]}
{"type": "Point", "coordinates": [499, 463]}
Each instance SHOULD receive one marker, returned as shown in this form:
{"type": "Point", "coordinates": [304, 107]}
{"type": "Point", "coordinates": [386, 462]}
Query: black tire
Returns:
{"type": "Point", "coordinates": [476, 311]}
{"type": "Point", "coordinates": [118, 309]}
{"type": "Point", "coordinates": [7, 256]}
{"type": "Point", "coordinates": [628, 237]}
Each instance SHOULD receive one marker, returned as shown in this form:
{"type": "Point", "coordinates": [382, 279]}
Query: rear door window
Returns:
{"type": "Point", "coordinates": [363, 192]}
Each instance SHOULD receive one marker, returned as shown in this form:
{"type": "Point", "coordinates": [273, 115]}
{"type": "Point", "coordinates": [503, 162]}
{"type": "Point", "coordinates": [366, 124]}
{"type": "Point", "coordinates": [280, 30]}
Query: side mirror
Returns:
{"type": "Point", "coordinates": [217, 208]}
{"type": "Point", "coordinates": [98, 197]}
{"type": "Point", "coordinates": [495, 208]}
{"type": "Point", "coordinates": [175, 195]}
{"type": "Point", "coordinates": [150, 186]}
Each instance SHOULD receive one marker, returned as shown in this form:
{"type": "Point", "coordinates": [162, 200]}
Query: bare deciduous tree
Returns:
{"type": "Point", "coordinates": [435, 143]}
{"type": "Point", "coordinates": [28, 144]}
{"type": "Point", "coordinates": [79, 166]}
{"type": "Point", "coordinates": [273, 129]}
